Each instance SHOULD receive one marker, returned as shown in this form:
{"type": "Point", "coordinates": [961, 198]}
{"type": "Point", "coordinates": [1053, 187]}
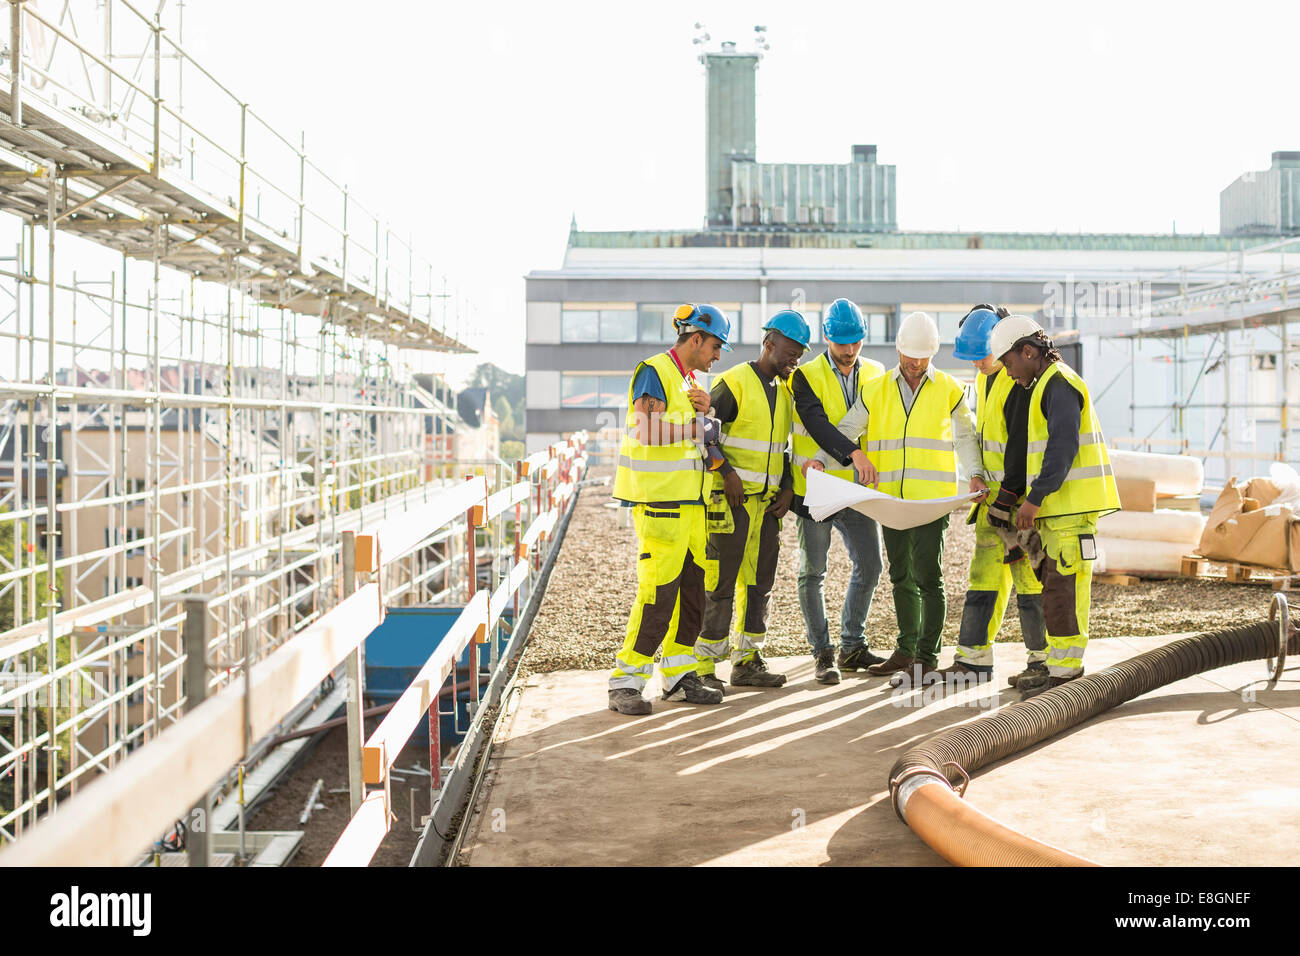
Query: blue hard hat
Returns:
{"type": "Point", "coordinates": [704, 318]}
{"type": "Point", "coordinates": [792, 325]}
{"type": "Point", "coordinates": [843, 323]}
{"type": "Point", "coordinates": [973, 335]}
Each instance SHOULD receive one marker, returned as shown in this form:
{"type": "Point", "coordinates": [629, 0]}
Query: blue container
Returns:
{"type": "Point", "coordinates": [398, 648]}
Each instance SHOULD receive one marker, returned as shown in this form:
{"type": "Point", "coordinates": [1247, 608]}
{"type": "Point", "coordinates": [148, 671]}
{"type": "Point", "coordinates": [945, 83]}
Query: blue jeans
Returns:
{"type": "Point", "coordinates": [862, 539]}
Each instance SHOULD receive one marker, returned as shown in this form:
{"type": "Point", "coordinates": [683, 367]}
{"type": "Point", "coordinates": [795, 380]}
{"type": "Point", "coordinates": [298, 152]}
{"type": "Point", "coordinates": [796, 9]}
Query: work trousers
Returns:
{"type": "Point", "coordinates": [986, 600]}
{"type": "Point", "coordinates": [1067, 591]}
{"type": "Point", "coordinates": [862, 540]}
{"type": "Point", "coordinates": [673, 571]}
{"type": "Point", "coordinates": [916, 572]}
{"type": "Point", "coordinates": [746, 559]}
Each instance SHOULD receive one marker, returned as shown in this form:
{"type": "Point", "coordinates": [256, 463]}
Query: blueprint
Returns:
{"type": "Point", "coordinates": [828, 494]}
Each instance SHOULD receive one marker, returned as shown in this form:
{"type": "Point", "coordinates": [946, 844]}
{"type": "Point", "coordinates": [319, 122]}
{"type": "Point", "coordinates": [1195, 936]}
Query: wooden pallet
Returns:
{"type": "Point", "coordinates": [1195, 566]}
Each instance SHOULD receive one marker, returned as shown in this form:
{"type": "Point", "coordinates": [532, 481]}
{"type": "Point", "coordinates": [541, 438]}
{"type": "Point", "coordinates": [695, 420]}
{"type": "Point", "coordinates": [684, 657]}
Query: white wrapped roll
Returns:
{"type": "Point", "coordinates": [1173, 474]}
{"type": "Point", "coordinates": [1127, 554]}
{"type": "Point", "coordinates": [1166, 524]}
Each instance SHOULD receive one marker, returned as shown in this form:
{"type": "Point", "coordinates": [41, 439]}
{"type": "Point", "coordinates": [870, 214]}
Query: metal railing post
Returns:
{"type": "Point", "coordinates": [243, 163]}
{"type": "Point", "coordinates": [356, 728]}
{"type": "Point", "coordinates": [157, 97]}
{"type": "Point", "coordinates": [196, 690]}
{"type": "Point", "coordinates": [16, 62]}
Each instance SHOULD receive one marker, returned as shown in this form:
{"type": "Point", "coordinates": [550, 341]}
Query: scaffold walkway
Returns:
{"type": "Point", "coordinates": [94, 140]}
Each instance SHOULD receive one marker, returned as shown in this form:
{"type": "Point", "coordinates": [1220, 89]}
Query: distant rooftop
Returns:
{"type": "Point", "coordinates": [821, 239]}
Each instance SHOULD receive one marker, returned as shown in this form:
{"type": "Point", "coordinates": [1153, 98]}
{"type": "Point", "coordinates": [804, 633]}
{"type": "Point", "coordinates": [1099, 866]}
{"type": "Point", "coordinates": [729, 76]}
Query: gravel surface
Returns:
{"type": "Point", "coordinates": [581, 622]}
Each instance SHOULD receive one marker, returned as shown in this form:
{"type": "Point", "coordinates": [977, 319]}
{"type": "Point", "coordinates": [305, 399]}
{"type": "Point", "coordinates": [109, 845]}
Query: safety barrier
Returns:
{"type": "Point", "coordinates": [546, 480]}
{"type": "Point", "coordinates": [112, 822]}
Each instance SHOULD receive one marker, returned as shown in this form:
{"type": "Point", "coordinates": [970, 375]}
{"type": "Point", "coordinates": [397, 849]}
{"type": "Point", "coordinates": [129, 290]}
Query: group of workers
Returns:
{"type": "Point", "coordinates": [711, 474]}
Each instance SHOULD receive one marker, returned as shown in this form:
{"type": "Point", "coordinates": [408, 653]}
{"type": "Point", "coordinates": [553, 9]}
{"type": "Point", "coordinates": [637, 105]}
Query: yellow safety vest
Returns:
{"type": "Point", "coordinates": [991, 424]}
{"type": "Point", "coordinates": [1089, 485]}
{"type": "Point", "coordinates": [755, 443]}
{"type": "Point", "coordinates": [660, 473]}
{"type": "Point", "coordinates": [913, 451]}
{"type": "Point", "coordinates": [822, 379]}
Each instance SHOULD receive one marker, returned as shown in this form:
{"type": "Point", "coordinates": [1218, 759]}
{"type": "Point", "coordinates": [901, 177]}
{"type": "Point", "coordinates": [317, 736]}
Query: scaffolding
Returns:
{"type": "Point", "coordinates": [1210, 369]}
{"type": "Point", "coordinates": [214, 362]}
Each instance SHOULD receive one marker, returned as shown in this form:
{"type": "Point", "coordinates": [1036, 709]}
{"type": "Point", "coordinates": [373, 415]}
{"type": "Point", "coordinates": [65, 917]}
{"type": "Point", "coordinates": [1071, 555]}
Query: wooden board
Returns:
{"type": "Point", "coordinates": [1116, 577]}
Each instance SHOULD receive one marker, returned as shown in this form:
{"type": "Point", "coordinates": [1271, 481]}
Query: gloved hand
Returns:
{"type": "Point", "coordinates": [710, 430]}
{"type": "Point", "coordinates": [1000, 509]}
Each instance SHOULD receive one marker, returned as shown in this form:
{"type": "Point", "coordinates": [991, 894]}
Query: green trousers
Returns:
{"type": "Point", "coordinates": [916, 572]}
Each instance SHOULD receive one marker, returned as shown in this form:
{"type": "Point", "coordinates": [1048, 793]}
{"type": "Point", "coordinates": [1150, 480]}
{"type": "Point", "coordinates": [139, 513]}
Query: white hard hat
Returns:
{"type": "Point", "coordinates": [1010, 331]}
{"type": "Point", "coordinates": [918, 336]}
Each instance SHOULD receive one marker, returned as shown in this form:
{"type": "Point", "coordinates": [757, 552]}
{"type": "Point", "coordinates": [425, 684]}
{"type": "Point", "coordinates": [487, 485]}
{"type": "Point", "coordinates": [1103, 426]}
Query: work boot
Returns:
{"type": "Point", "coordinates": [754, 673]}
{"type": "Point", "coordinates": [916, 675]}
{"type": "Point", "coordinates": [692, 690]}
{"type": "Point", "coordinates": [858, 659]}
{"type": "Point", "coordinates": [625, 700]}
{"type": "Point", "coordinates": [826, 672]}
{"type": "Point", "coordinates": [714, 681]}
{"type": "Point", "coordinates": [1034, 670]}
{"type": "Point", "coordinates": [961, 672]}
{"type": "Point", "coordinates": [1030, 689]}
{"type": "Point", "coordinates": [898, 661]}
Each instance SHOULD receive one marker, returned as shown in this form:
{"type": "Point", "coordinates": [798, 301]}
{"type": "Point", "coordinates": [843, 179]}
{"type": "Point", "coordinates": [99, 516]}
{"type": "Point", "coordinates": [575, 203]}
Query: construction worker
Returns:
{"type": "Point", "coordinates": [1070, 485]}
{"type": "Point", "coordinates": [917, 426]}
{"type": "Point", "coordinates": [753, 491]}
{"type": "Point", "coordinates": [1001, 410]}
{"type": "Point", "coordinates": [823, 391]}
{"type": "Point", "coordinates": [663, 474]}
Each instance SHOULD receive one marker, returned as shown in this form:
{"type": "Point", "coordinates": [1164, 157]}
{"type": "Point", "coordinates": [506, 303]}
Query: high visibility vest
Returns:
{"type": "Point", "coordinates": [822, 379]}
{"type": "Point", "coordinates": [660, 473]}
{"type": "Point", "coordinates": [913, 451]}
{"type": "Point", "coordinates": [1090, 484]}
{"type": "Point", "coordinates": [991, 424]}
{"type": "Point", "coordinates": [755, 443]}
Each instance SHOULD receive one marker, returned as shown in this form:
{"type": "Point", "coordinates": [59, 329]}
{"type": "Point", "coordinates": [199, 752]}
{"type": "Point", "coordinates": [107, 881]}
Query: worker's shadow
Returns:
{"type": "Point", "coordinates": [779, 766]}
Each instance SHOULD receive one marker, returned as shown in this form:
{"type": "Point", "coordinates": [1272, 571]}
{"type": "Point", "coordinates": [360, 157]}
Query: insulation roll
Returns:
{"type": "Point", "coordinates": [1166, 524]}
{"type": "Point", "coordinates": [1128, 554]}
{"type": "Point", "coordinates": [1173, 474]}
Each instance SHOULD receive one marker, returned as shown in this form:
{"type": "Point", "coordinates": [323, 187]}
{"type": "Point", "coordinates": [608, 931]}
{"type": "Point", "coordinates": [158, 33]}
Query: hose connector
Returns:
{"type": "Point", "coordinates": [909, 781]}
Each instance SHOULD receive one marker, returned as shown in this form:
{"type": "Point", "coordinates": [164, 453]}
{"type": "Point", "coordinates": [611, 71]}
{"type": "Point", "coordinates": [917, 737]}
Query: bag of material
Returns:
{"type": "Point", "coordinates": [1268, 536]}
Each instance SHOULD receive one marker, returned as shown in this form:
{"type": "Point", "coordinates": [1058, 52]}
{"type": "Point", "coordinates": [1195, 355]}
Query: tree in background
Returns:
{"type": "Point", "coordinates": [503, 385]}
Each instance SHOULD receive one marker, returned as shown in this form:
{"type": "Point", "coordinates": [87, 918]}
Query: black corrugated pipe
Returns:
{"type": "Point", "coordinates": [920, 783]}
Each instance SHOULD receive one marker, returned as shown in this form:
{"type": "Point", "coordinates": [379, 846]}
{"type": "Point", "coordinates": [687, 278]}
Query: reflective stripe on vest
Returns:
{"type": "Point", "coordinates": [991, 424]}
{"type": "Point", "coordinates": [648, 473]}
{"type": "Point", "coordinates": [821, 377]}
{"type": "Point", "coordinates": [755, 442]}
{"type": "Point", "coordinates": [1089, 485]}
{"type": "Point", "coordinates": [913, 451]}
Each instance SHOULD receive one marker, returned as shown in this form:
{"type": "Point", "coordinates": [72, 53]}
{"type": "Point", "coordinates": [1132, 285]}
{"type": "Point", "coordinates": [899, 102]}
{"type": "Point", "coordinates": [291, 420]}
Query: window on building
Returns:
{"type": "Point", "coordinates": [134, 486]}
{"type": "Point", "coordinates": [655, 323]}
{"type": "Point", "coordinates": [948, 322]}
{"type": "Point", "coordinates": [877, 326]}
{"type": "Point", "coordinates": [579, 326]}
{"type": "Point", "coordinates": [132, 534]}
{"type": "Point", "coordinates": [617, 325]}
{"type": "Point", "coordinates": [593, 390]}
{"type": "Point", "coordinates": [131, 582]}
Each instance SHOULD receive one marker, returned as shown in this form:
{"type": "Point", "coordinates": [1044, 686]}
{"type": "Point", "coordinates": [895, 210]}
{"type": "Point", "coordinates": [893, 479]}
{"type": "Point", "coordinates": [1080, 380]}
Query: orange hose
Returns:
{"type": "Point", "coordinates": [965, 836]}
